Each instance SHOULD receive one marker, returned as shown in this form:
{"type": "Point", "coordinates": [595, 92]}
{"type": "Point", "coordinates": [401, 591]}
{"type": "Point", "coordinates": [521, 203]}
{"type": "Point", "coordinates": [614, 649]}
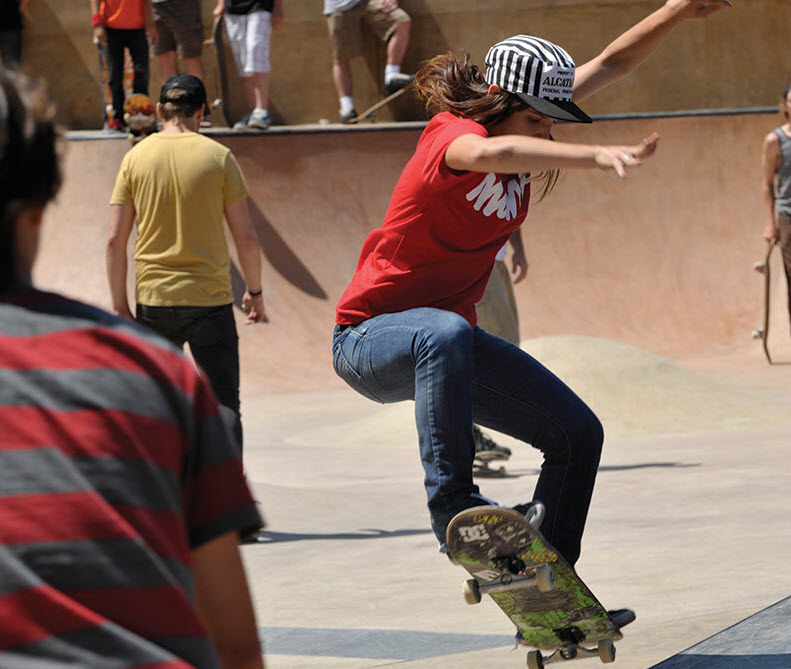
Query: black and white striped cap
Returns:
{"type": "Point", "coordinates": [539, 72]}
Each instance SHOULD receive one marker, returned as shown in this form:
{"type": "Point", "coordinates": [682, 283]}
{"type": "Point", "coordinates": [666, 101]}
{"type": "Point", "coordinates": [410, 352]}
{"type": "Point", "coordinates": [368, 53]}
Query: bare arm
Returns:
{"type": "Point", "coordinates": [518, 258]}
{"type": "Point", "coordinates": [771, 161]}
{"type": "Point", "coordinates": [224, 603]}
{"type": "Point", "coordinates": [122, 218]}
{"type": "Point", "coordinates": [630, 49]}
{"type": "Point", "coordinates": [246, 241]}
{"type": "Point", "coordinates": [277, 13]}
{"type": "Point", "coordinates": [512, 154]}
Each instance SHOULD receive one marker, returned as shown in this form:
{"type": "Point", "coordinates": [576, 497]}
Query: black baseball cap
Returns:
{"type": "Point", "coordinates": [195, 93]}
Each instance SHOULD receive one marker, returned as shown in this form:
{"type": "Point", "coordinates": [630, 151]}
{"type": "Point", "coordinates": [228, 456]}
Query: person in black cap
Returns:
{"type": "Point", "coordinates": [175, 186]}
{"type": "Point", "coordinates": [406, 325]}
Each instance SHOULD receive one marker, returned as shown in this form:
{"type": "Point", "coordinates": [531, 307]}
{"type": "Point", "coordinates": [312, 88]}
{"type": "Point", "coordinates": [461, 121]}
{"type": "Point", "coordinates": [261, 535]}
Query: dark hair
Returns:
{"type": "Point", "coordinates": [172, 108]}
{"type": "Point", "coordinates": [450, 83]}
{"type": "Point", "coordinates": [29, 159]}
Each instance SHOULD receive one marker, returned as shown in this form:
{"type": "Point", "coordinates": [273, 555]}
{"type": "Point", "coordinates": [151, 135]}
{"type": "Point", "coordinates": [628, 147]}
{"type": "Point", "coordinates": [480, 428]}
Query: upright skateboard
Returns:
{"type": "Point", "coordinates": [553, 610]}
{"type": "Point", "coordinates": [140, 117]}
{"type": "Point", "coordinates": [371, 111]}
{"type": "Point", "coordinates": [218, 43]}
{"type": "Point", "coordinates": [764, 268]}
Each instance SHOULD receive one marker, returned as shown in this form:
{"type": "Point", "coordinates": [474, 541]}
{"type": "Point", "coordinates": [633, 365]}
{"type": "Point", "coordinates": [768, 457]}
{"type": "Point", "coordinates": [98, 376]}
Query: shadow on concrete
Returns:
{"type": "Point", "coordinates": [516, 473]}
{"type": "Point", "coordinates": [728, 662]}
{"type": "Point", "coordinates": [398, 645]}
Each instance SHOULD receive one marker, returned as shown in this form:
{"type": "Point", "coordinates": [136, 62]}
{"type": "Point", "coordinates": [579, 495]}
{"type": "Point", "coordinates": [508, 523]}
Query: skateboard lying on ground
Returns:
{"type": "Point", "coordinates": [371, 111]}
{"type": "Point", "coordinates": [553, 610]}
{"type": "Point", "coordinates": [763, 268]}
{"type": "Point", "coordinates": [480, 465]}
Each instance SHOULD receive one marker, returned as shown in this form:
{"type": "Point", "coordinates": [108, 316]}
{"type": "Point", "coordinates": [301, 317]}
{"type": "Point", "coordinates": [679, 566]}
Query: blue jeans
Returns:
{"type": "Point", "coordinates": [457, 375]}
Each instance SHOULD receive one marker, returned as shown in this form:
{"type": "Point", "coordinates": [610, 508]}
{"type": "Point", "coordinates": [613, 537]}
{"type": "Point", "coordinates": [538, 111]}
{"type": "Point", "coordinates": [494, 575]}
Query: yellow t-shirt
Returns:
{"type": "Point", "coordinates": [179, 185]}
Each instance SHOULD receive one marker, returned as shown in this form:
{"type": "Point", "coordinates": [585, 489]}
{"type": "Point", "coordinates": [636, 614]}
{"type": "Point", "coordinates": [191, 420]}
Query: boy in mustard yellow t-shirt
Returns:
{"type": "Point", "coordinates": [177, 185]}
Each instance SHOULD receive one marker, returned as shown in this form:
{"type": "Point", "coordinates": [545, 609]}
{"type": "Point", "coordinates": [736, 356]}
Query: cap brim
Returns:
{"type": "Point", "coordinates": [559, 109]}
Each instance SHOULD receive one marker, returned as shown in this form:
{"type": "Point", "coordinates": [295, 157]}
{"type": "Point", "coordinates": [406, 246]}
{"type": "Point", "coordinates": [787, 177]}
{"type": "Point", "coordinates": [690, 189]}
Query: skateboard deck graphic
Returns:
{"type": "Point", "coordinates": [552, 608]}
{"type": "Point", "coordinates": [140, 117]}
{"type": "Point", "coordinates": [218, 43]}
{"type": "Point", "coordinates": [371, 111]}
{"type": "Point", "coordinates": [764, 268]}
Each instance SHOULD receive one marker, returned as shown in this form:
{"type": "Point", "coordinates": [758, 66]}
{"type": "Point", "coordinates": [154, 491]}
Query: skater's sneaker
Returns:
{"type": "Point", "coordinates": [259, 119]}
{"type": "Point", "coordinates": [533, 512]}
{"type": "Point", "coordinates": [115, 126]}
{"type": "Point", "coordinates": [398, 81]}
{"type": "Point", "coordinates": [346, 115]}
{"type": "Point", "coordinates": [622, 617]}
{"type": "Point", "coordinates": [241, 124]}
{"type": "Point", "coordinates": [485, 444]}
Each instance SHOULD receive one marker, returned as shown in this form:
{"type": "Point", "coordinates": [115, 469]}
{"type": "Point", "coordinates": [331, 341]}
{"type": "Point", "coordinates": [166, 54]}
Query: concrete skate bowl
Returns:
{"type": "Point", "coordinates": [661, 260]}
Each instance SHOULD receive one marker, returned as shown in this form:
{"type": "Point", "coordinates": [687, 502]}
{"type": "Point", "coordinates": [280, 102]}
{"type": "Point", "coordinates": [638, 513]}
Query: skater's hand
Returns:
{"type": "Point", "coordinates": [219, 9]}
{"type": "Point", "coordinates": [698, 9]}
{"type": "Point", "coordinates": [618, 158]}
{"type": "Point", "coordinates": [100, 35]}
{"type": "Point", "coordinates": [389, 6]}
{"type": "Point", "coordinates": [519, 265]}
{"type": "Point", "coordinates": [771, 232]}
{"type": "Point", "coordinates": [253, 307]}
{"type": "Point", "coordinates": [151, 32]}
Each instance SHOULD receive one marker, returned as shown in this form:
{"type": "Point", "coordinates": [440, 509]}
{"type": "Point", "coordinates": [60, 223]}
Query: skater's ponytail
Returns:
{"type": "Point", "coordinates": [29, 161]}
{"type": "Point", "coordinates": [449, 83]}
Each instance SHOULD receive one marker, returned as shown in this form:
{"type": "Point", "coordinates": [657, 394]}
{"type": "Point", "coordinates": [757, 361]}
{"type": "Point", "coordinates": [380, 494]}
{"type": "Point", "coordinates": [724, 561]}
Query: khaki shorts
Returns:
{"type": "Point", "coordinates": [179, 27]}
{"type": "Point", "coordinates": [346, 35]}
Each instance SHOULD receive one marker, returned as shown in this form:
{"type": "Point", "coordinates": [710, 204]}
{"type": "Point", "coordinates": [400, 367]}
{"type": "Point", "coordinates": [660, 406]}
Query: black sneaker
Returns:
{"type": "Point", "coordinates": [398, 81]}
{"type": "Point", "coordinates": [622, 617]}
{"type": "Point", "coordinates": [533, 511]}
{"type": "Point", "coordinates": [485, 444]}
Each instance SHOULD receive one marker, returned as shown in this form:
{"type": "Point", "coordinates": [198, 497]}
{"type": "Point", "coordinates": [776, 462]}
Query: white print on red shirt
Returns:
{"type": "Point", "coordinates": [492, 198]}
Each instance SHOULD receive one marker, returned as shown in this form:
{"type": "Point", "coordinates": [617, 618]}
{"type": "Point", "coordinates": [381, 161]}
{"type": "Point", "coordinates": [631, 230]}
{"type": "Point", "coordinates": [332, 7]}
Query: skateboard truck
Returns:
{"type": "Point", "coordinates": [605, 651]}
{"type": "Point", "coordinates": [541, 577]}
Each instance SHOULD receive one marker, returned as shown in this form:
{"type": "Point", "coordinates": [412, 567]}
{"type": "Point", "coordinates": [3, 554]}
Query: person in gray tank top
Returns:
{"type": "Point", "coordinates": [777, 187]}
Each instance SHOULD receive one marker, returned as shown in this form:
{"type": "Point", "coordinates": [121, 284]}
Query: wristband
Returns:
{"type": "Point", "coordinates": [96, 19]}
{"type": "Point", "coordinates": [256, 293]}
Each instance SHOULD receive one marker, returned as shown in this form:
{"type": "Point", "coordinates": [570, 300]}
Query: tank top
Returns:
{"type": "Point", "coordinates": [783, 197]}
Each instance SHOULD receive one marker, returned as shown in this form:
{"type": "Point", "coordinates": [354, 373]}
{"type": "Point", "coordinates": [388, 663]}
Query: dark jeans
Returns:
{"type": "Point", "coordinates": [214, 343]}
{"type": "Point", "coordinates": [137, 43]}
{"type": "Point", "coordinates": [11, 48]}
{"type": "Point", "coordinates": [456, 375]}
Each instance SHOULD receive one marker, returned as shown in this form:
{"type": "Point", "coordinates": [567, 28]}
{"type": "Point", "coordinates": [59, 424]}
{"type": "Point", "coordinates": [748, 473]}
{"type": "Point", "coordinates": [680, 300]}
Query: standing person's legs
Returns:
{"type": "Point", "coordinates": [137, 43]}
{"type": "Point", "coordinates": [115, 70]}
{"type": "Point", "coordinates": [345, 32]}
{"type": "Point", "coordinates": [394, 28]}
{"type": "Point", "coordinates": [516, 395]}
{"type": "Point", "coordinates": [426, 355]}
{"type": "Point", "coordinates": [784, 226]}
{"type": "Point", "coordinates": [214, 344]}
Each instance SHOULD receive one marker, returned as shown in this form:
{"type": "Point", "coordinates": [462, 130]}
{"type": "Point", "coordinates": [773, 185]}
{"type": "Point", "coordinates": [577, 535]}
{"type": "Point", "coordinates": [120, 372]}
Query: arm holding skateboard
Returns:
{"type": "Point", "coordinates": [631, 48]}
{"type": "Point", "coordinates": [771, 161]}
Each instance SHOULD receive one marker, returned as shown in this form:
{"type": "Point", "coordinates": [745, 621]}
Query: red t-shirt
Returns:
{"type": "Point", "coordinates": [123, 14]}
{"type": "Point", "coordinates": [441, 233]}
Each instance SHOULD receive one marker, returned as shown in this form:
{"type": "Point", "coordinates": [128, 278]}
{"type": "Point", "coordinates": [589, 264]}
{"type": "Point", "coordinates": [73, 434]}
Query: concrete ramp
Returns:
{"type": "Point", "coordinates": [761, 641]}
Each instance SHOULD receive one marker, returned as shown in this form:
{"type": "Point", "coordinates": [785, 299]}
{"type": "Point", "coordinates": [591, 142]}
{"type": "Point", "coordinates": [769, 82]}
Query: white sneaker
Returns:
{"type": "Point", "coordinates": [259, 119]}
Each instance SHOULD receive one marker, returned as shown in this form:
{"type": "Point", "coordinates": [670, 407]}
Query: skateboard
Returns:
{"type": "Point", "coordinates": [764, 268]}
{"type": "Point", "coordinates": [553, 610]}
{"type": "Point", "coordinates": [218, 43]}
{"type": "Point", "coordinates": [140, 117]}
{"type": "Point", "coordinates": [371, 111]}
{"type": "Point", "coordinates": [481, 463]}
{"type": "Point", "coordinates": [104, 68]}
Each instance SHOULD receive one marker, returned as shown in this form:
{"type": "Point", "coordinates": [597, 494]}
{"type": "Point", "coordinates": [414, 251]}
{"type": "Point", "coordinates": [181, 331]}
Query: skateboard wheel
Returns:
{"type": "Point", "coordinates": [472, 591]}
{"type": "Point", "coordinates": [535, 660]}
{"type": "Point", "coordinates": [606, 651]}
{"type": "Point", "coordinates": [545, 578]}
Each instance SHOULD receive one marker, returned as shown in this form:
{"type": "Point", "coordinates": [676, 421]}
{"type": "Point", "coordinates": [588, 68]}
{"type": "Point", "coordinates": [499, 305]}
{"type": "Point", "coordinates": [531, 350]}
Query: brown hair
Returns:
{"type": "Point", "coordinates": [450, 83]}
{"type": "Point", "coordinates": [174, 109]}
{"type": "Point", "coordinates": [29, 159]}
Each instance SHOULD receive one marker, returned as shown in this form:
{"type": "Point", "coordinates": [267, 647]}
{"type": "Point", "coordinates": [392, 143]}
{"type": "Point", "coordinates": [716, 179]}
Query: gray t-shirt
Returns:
{"type": "Point", "coordinates": [783, 174]}
{"type": "Point", "coordinates": [334, 6]}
